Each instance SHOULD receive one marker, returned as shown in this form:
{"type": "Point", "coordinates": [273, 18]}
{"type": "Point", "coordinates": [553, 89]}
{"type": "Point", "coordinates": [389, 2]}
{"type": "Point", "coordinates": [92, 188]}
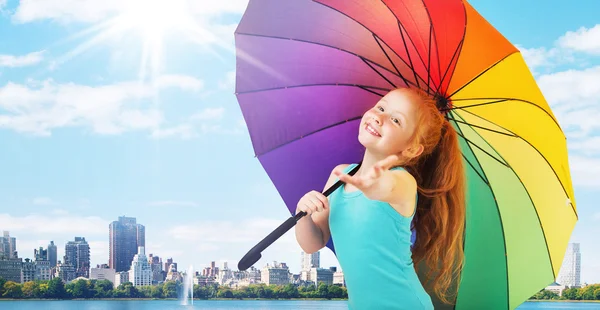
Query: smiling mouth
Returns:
{"type": "Point", "coordinates": [372, 130]}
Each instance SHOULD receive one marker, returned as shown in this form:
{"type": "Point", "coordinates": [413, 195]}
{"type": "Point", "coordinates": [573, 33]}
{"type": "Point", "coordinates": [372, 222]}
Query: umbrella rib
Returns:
{"type": "Point", "coordinates": [407, 82]}
{"type": "Point", "coordinates": [379, 73]}
{"type": "Point", "coordinates": [356, 21]}
{"type": "Point", "coordinates": [484, 128]}
{"type": "Point", "coordinates": [321, 44]}
{"type": "Point", "coordinates": [536, 149]}
{"type": "Point", "coordinates": [480, 74]}
{"type": "Point", "coordinates": [481, 149]}
{"type": "Point", "coordinates": [475, 169]}
{"type": "Point", "coordinates": [432, 35]}
{"type": "Point", "coordinates": [498, 100]}
{"type": "Point", "coordinates": [499, 217]}
{"type": "Point", "coordinates": [456, 54]}
{"type": "Point", "coordinates": [311, 85]}
{"type": "Point", "coordinates": [400, 27]}
{"type": "Point", "coordinates": [310, 133]}
{"type": "Point", "coordinates": [528, 195]}
{"type": "Point", "coordinates": [373, 92]}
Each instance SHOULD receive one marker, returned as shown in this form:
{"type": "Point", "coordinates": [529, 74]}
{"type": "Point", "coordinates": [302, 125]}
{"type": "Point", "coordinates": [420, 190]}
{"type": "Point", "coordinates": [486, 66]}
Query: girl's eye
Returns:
{"type": "Point", "coordinates": [380, 109]}
{"type": "Point", "coordinates": [395, 120]}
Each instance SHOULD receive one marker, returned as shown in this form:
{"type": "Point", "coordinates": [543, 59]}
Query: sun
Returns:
{"type": "Point", "coordinates": [152, 18]}
{"type": "Point", "coordinates": [153, 21]}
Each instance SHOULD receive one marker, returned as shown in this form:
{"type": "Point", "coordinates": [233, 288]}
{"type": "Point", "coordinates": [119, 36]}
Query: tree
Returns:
{"type": "Point", "coordinates": [571, 294]}
{"type": "Point", "coordinates": [2, 282]}
{"type": "Point", "coordinates": [170, 289]}
{"type": "Point", "coordinates": [335, 292]}
{"type": "Point", "coordinates": [103, 289]}
{"type": "Point", "coordinates": [12, 290]}
{"type": "Point", "coordinates": [31, 289]}
{"type": "Point", "coordinates": [56, 289]}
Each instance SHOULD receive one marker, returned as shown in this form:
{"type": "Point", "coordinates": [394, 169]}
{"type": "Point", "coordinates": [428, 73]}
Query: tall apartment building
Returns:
{"type": "Point", "coordinates": [52, 254]}
{"type": "Point", "coordinates": [125, 236]}
{"type": "Point", "coordinates": [77, 254]}
{"type": "Point", "coordinates": [570, 271]}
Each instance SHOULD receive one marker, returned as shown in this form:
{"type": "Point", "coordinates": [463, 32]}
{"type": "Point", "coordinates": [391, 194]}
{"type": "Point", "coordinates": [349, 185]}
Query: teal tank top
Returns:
{"type": "Point", "coordinates": [372, 242]}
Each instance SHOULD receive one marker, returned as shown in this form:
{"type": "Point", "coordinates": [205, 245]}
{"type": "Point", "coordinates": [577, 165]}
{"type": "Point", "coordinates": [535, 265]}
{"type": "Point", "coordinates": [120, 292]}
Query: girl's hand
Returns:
{"type": "Point", "coordinates": [368, 181]}
{"type": "Point", "coordinates": [311, 202]}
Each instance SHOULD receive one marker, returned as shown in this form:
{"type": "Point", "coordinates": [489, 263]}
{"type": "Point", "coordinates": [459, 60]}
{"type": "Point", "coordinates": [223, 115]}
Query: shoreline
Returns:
{"type": "Point", "coordinates": [195, 299]}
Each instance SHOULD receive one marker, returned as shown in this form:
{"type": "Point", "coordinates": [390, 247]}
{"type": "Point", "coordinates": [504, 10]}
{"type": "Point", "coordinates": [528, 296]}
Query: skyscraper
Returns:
{"type": "Point", "coordinates": [77, 254]}
{"type": "Point", "coordinates": [52, 254]}
{"type": "Point", "coordinates": [570, 271]}
{"type": "Point", "coordinates": [311, 260]}
{"type": "Point", "coordinates": [140, 273]}
{"type": "Point", "coordinates": [8, 245]}
{"type": "Point", "coordinates": [124, 238]}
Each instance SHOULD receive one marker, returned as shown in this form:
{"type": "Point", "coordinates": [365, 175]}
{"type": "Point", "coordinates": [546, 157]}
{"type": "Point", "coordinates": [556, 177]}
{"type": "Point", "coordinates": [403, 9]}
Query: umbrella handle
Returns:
{"type": "Point", "coordinates": [255, 253]}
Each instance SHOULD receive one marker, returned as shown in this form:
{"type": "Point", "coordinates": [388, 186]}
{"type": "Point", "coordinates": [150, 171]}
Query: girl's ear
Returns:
{"type": "Point", "coordinates": [413, 151]}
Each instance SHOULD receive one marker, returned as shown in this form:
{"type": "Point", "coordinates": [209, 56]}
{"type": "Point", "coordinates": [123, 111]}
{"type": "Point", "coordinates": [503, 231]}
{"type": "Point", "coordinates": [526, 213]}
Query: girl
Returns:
{"type": "Point", "coordinates": [412, 167]}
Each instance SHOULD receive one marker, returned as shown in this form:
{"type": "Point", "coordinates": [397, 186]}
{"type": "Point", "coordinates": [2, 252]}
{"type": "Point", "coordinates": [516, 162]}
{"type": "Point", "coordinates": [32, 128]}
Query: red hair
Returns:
{"type": "Point", "coordinates": [440, 216]}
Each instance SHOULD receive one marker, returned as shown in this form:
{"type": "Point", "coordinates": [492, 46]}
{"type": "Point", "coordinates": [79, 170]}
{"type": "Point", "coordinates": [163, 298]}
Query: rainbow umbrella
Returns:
{"type": "Point", "coordinates": [308, 70]}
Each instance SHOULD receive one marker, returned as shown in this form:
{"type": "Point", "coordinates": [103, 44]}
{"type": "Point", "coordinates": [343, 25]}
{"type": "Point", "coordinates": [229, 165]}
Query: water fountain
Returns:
{"type": "Point", "coordinates": [188, 287]}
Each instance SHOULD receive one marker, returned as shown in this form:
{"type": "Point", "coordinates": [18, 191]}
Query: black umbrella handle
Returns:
{"type": "Point", "coordinates": [255, 253]}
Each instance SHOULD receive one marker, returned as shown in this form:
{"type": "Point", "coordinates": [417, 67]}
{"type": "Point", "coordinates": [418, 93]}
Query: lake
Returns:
{"type": "Point", "coordinates": [226, 305]}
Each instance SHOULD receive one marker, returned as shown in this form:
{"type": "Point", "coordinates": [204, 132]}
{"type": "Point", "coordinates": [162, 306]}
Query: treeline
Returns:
{"type": "Point", "coordinates": [590, 292]}
{"type": "Point", "coordinates": [56, 289]}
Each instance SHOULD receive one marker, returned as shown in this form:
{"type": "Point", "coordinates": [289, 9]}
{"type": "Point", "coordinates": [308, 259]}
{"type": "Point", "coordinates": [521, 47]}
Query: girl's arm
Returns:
{"type": "Point", "coordinates": [312, 230]}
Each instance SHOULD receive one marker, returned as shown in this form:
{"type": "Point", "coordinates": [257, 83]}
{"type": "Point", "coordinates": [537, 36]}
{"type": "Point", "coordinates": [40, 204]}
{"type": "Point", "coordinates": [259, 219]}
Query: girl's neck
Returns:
{"type": "Point", "coordinates": [369, 160]}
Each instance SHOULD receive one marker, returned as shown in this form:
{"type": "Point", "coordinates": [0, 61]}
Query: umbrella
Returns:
{"type": "Point", "coordinates": [308, 70]}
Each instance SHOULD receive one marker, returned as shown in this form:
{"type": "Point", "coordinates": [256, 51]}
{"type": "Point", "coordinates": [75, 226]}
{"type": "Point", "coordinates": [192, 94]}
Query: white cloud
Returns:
{"type": "Point", "coordinates": [597, 216]}
{"type": "Point", "coordinates": [92, 11]}
{"type": "Point", "coordinates": [228, 82]}
{"type": "Point", "coordinates": [173, 203]}
{"type": "Point", "coordinates": [538, 57]}
{"type": "Point", "coordinates": [21, 61]}
{"type": "Point", "coordinates": [583, 40]}
{"type": "Point", "coordinates": [209, 114]}
{"type": "Point", "coordinates": [43, 201]}
{"type": "Point", "coordinates": [183, 131]}
{"type": "Point", "coordinates": [585, 171]}
{"type": "Point", "coordinates": [105, 109]}
{"type": "Point", "coordinates": [38, 224]}
{"type": "Point", "coordinates": [574, 96]}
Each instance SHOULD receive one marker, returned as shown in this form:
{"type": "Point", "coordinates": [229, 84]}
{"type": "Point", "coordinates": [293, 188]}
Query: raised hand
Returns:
{"type": "Point", "coordinates": [368, 181]}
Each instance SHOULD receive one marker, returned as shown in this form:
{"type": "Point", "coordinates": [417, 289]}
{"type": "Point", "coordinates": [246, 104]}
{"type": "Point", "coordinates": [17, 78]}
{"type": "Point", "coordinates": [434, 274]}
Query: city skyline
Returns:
{"type": "Point", "coordinates": [97, 128]}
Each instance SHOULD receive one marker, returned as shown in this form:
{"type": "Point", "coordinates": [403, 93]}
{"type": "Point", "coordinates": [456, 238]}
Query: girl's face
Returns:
{"type": "Point", "coordinates": [388, 127]}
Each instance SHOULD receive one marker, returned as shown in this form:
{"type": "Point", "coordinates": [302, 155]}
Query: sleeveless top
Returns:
{"type": "Point", "coordinates": [372, 242]}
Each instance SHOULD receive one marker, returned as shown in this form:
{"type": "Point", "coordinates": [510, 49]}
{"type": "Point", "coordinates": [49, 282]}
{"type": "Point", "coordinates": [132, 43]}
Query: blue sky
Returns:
{"type": "Point", "coordinates": [85, 139]}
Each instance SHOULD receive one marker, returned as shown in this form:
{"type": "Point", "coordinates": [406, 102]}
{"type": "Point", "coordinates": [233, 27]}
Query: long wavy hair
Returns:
{"type": "Point", "coordinates": [440, 216]}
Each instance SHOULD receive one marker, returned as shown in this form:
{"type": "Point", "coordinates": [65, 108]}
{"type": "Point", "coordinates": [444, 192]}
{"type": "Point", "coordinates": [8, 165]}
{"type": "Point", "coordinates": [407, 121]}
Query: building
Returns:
{"type": "Point", "coordinates": [28, 270]}
{"type": "Point", "coordinates": [570, 271]}
{"type": "Point", "coordinates": [173, 274]}
{"type": "Point", "coordinates": [102, 273]}
{"type": "Point", "coordinates": [121, 277]}
{"type": "Point", "coordinates": [43, 270]}
{"type": "Point", "coordinates": [125, 235]}
{"type": "Point", "coordinates": [556, 288]}
{"type": "Point", "coordinates": [65, 271]}
{"type": "Point", "coordinates": [40, 254]}
{"type": "Point", "coordinates": [77, 254]}
{"type": "Point", "coordinates": [52, 254]}
{"type": "Point", "coordinates": [11, 269]}
{"type": "Point", "coordinates": [156, 266]}
{"type": "Point", "coordinates": [8, 245]}
{"type": "Point", "coordinates": [278, 274]}
{"type": "Point", "coordinates": [140, 273]}
{"type": "Point", "coordinates": [309, 261]}
{"type": "Point", "coordinates": [338, 278]}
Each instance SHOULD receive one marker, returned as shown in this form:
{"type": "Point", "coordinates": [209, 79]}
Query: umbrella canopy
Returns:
{"type": "Point", "coordinates": [308, 70]}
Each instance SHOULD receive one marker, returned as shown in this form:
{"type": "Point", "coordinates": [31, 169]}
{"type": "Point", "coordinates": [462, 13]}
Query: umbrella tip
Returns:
{"type": "Point", "coordinates": [442, 103]}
